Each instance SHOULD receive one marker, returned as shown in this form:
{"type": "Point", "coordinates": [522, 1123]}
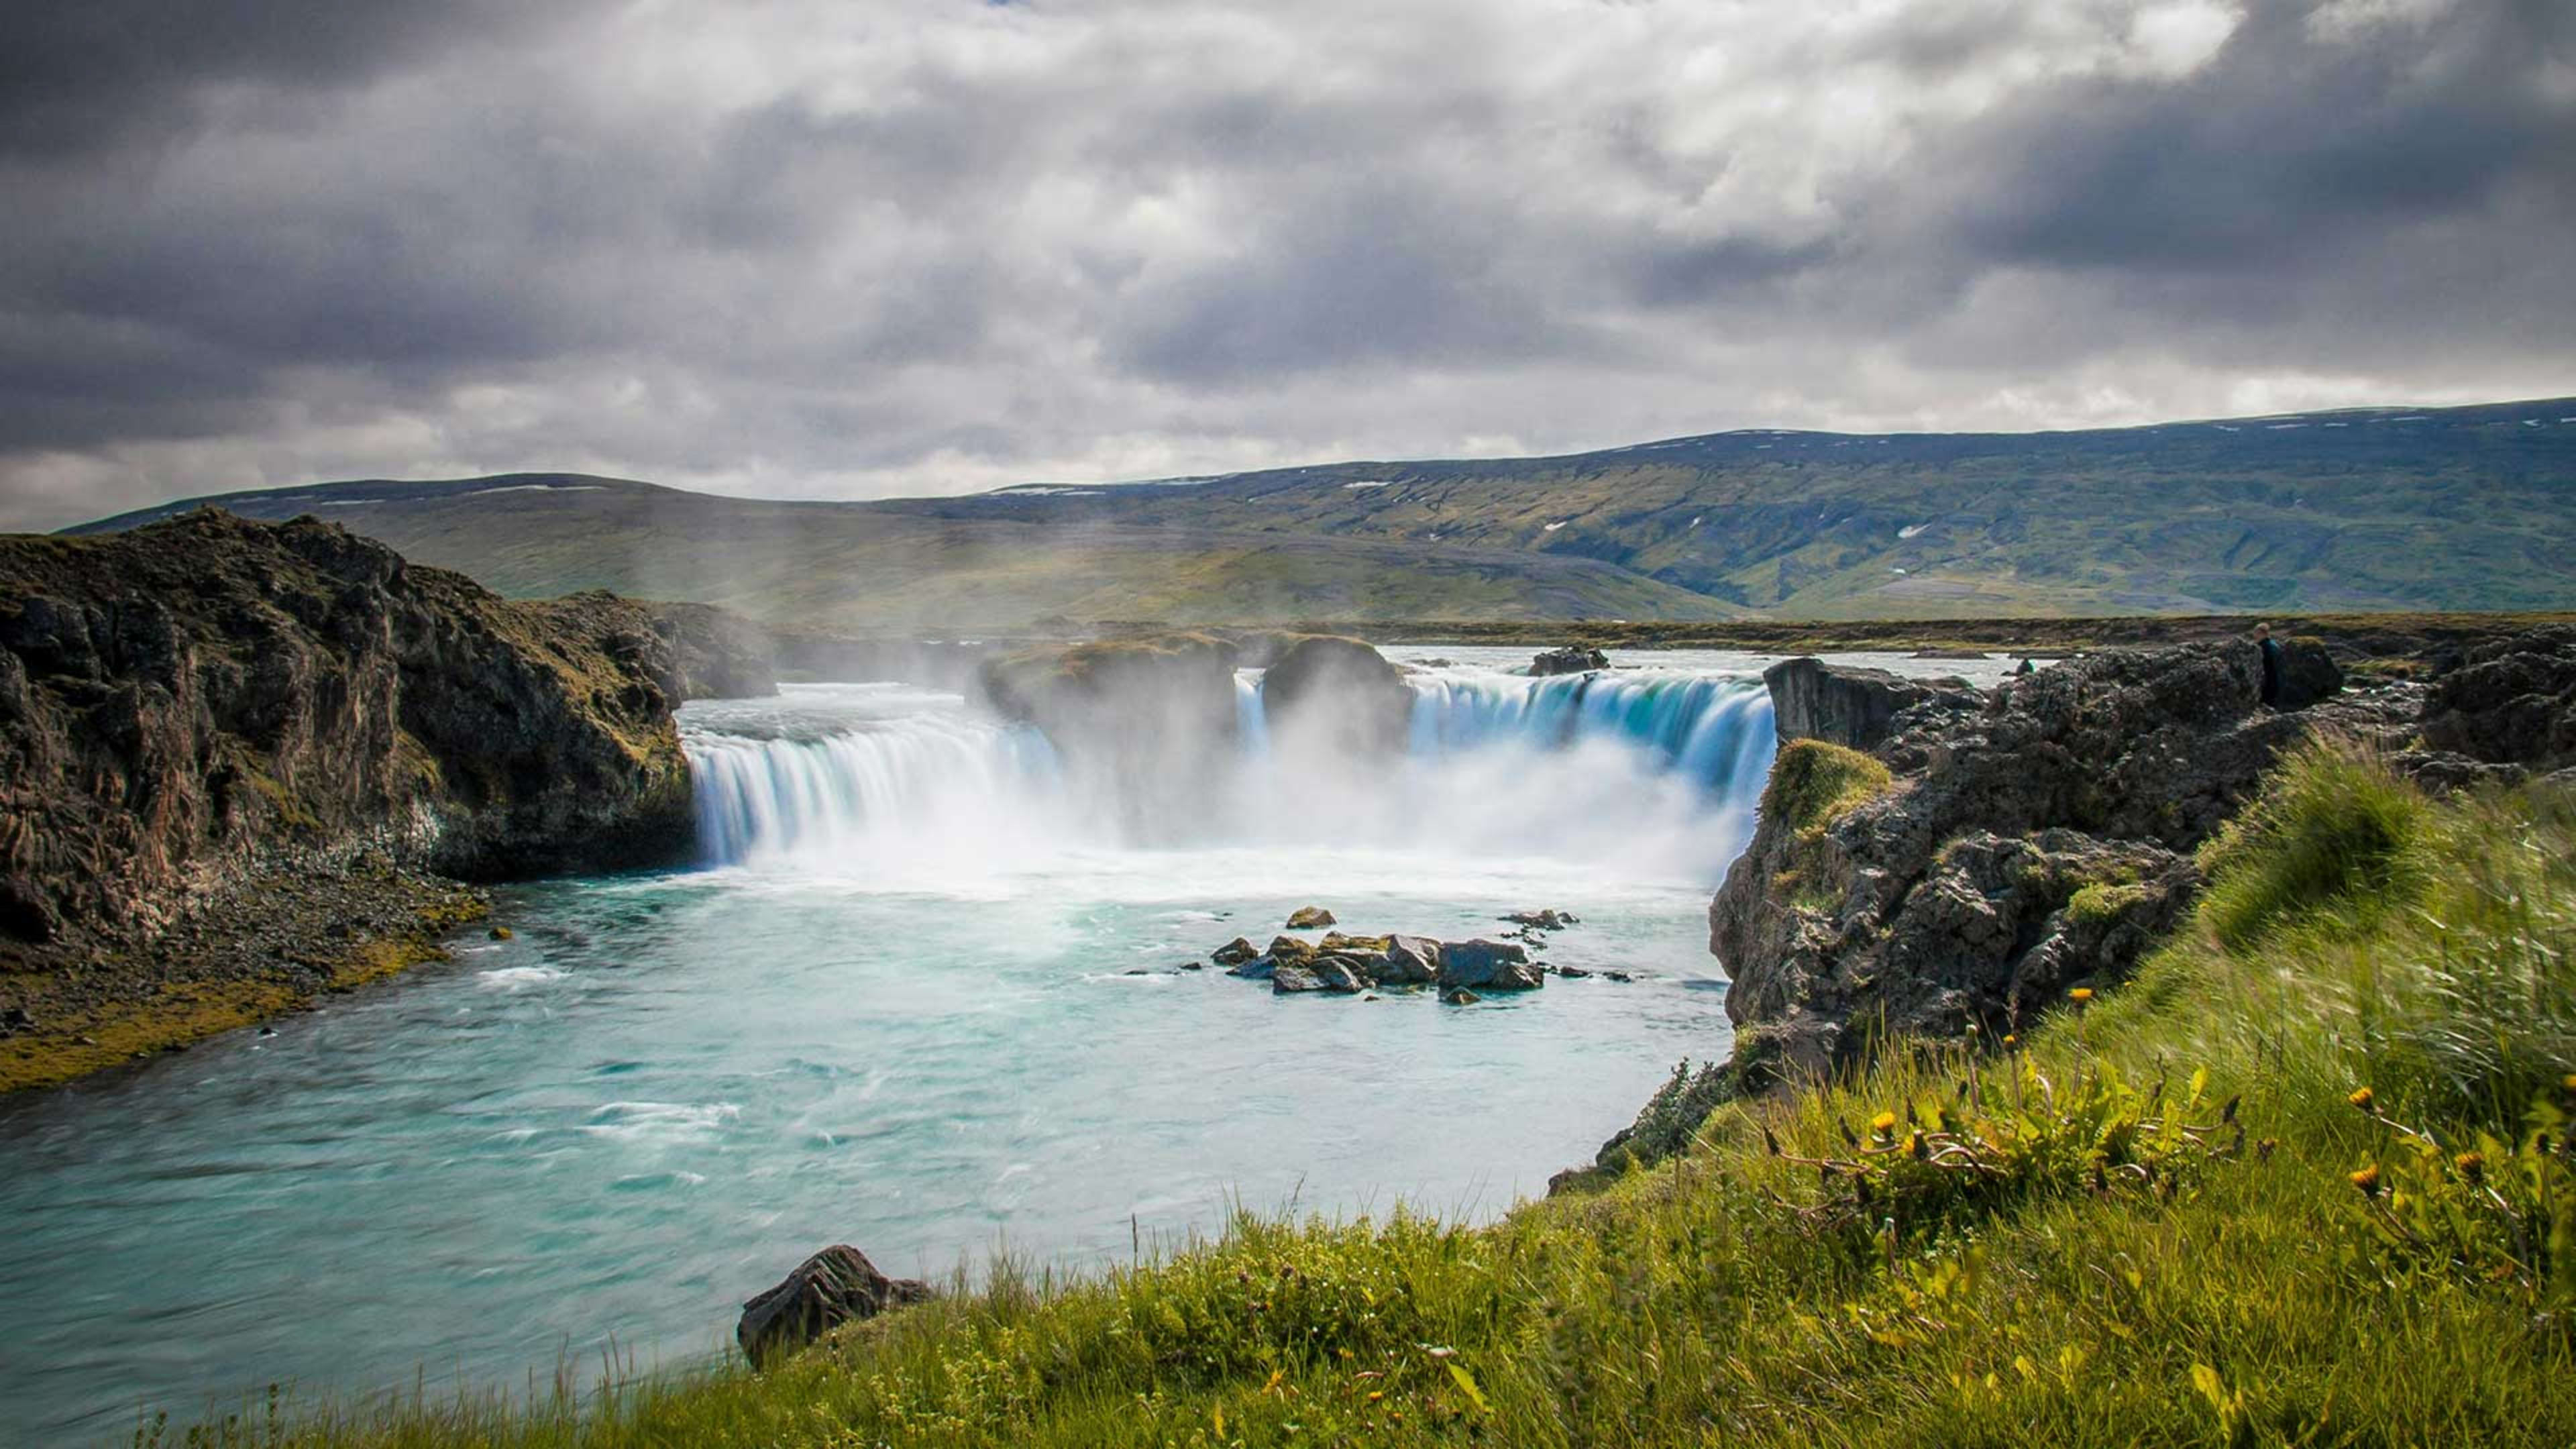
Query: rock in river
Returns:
{"type": "Point", "coordinates": [1409, 961]}
{"type": "Point", "coordinates": [1487, 966]}
{"type": "Point", "coordinates": [1572, 659]}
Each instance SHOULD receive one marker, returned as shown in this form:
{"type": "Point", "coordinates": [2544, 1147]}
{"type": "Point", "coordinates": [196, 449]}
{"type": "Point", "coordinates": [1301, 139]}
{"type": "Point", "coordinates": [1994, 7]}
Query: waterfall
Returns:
{"type": "Point", "coordinates": [1715, 731]}
{"type": "Point", "coordinates": [1659, 769]}
{"type": "Point", "coordinates": [925, 774]}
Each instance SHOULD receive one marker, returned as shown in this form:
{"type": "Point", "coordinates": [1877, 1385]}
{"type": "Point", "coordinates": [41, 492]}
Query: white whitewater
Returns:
{"type": "Point", "coordinates": [1653, 771]}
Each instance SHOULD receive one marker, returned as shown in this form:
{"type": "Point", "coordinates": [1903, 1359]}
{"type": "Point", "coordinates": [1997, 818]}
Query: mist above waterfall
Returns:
{"type": "Point", "coordinates": [1647, 773]}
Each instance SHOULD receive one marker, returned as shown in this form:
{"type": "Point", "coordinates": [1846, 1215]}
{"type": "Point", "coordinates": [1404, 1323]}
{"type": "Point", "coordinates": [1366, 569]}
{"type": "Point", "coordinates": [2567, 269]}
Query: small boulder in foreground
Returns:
{"type": "Point", "coordinates": [837, 1285]}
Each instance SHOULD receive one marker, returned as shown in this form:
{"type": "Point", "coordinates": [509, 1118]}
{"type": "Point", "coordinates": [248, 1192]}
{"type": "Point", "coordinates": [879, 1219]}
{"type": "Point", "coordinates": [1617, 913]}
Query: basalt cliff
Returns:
{"type": "Point", "coordinates": [1934, 861]}
{"type": "Point", "coordinates": [241, 761]}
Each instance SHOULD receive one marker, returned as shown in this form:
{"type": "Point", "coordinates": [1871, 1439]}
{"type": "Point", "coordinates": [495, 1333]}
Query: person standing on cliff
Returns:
{"type": "Point", "coordinates": [2271, 648]}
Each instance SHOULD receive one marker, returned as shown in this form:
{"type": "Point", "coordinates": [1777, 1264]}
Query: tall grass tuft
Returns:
{"type": "Point", "coordinates": [2333, 834]}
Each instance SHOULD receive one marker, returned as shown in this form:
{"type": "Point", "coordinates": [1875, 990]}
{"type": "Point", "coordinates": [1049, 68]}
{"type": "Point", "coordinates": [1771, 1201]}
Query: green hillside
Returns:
{"type": "Point", "coordinates": [2449, 509]}
{"type": "Point", "coordinates": [2305, 1181]}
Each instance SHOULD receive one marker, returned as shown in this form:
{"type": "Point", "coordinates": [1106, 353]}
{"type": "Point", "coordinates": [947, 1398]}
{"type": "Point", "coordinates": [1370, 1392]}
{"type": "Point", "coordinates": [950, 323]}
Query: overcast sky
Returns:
{"type": "Point", "coordinates": [854, 247]}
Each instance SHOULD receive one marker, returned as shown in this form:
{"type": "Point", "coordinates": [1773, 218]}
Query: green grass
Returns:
{"type": "Point", "coordinates": [2138, 1226]}
{"type": "Point", "coordinates": [1815, 783]}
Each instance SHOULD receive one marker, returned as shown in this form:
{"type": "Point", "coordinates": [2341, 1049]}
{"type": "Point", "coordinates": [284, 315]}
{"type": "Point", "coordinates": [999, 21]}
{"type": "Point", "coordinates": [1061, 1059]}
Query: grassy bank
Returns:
{"type": "Point", "coordinates": [254, 957]}
{"type": "Point", "coordinates": [2302, 1182]}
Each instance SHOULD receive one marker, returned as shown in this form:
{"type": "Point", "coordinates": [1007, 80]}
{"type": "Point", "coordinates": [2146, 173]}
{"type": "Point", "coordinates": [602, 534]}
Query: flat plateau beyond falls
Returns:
{"type": "Point", "coordinates": [925, 994]}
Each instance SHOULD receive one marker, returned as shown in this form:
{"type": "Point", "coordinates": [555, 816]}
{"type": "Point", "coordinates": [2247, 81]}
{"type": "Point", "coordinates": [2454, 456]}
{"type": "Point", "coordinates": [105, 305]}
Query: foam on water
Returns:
{"type": "Point", "coordinates": [1653, 772]}
{"type": "Point", "coordinates": [892, 1010]}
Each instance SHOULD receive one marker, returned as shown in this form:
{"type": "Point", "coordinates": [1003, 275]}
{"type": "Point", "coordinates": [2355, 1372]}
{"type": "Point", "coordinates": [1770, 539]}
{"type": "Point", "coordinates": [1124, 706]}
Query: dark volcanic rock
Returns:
{"type": "Point", "coordinates": [1855, 708]}
{"type": "Point", "coordinates": [2039, 841]}
{"type": "Point", "coordinates": [194, 703]}
{"type": "Point", "coordinates": [2509, 702]}
{"type": "Point", "coordinates": [1339, 974]}
{"type": "Point", "coordinates": [1487, 966]}
{"type": "Point", "coordinates": [837, 1285]}
{"type": "Point", "coordinates": [1570, 659]}
{"type": "Point", "coordinates": [1337, 696]}
{"type": "Point", "coordinates": [2309, 674]}
{"type": "Point", "coordinates": [715, 653]}
{"type": "Point", "coordinates": [1409, 961]}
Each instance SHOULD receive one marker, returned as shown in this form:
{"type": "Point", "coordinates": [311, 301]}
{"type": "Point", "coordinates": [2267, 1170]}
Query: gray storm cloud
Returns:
{"type": "Point", "coordinates": [818, 248]}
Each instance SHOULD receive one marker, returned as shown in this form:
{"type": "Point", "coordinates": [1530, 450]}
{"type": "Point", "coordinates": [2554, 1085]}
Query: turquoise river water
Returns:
{"type": "Point", "coordinates": [896, 1005]}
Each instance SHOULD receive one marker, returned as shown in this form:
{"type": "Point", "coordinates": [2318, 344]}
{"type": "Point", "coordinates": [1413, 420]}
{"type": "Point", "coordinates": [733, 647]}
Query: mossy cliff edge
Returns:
{"type": "Point", "coordinates": [240, 762]}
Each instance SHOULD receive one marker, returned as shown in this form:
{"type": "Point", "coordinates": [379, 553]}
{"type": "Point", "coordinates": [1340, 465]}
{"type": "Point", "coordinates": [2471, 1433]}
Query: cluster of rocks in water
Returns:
{"type": "Point", "coordinates": [1459, 971]}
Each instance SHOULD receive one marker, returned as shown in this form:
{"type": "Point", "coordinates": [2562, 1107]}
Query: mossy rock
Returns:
{"type": "Point", "coordinates": [1813, 784]}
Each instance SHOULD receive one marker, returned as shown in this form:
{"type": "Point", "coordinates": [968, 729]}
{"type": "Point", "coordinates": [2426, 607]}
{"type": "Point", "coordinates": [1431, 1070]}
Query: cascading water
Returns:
{"type": "Point", "coordinates": [917, 769]}
{"type": "Point", "coordinates": [938, 994]}
{"type": "Point", "coordinates": [1656, 771]}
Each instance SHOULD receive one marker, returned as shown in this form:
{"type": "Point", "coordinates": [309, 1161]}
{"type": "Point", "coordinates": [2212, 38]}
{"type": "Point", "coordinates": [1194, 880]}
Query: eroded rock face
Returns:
{"type": "Point", "coordinates": [716, 653]}
{"type": "Point", "coordinates": [2039, 841]}
{"type": "Point", "coordinates": [1848, 706]}
{"type": "Point", "coordinates": [191, 704]}
{"type": "Point", "coordinates": [837, 1285]}
{"type": "Point", "coordinates": [2309, 674]}
{"type": "Point", "coordinates": [2507, 702]}
{"type": "Point", "coordinates": [1339, 697]}
{"type": "Point", "coordinates": [1146, 725]}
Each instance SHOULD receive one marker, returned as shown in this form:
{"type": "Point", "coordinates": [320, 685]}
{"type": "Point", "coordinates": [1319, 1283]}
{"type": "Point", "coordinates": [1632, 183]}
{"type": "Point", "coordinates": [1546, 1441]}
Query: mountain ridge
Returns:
{"type": "Point", "coordinates": [2349, 509]}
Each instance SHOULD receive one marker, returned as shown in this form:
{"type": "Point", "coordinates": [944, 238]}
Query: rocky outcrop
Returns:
{"type": "Point", "coordinates": [1569, 659]}
{"type": "Point", "coordinates": [185, 704]}
{"type": "Point", "coordinates": [210, 711]}
{"type": "Point", "coordinates": [1331, 696]}
{"type": "Point", "coordinates": [837, 1285]}
{"type": "Point", "coordinates": [2309, 674]}
{"type": "Point", "coordinates": [2508, 702]}
{"type": "Point", "coordinates": [715, 653]}
{"type": "Point", "coordinates": [1852, 707]}
{"type": "Point", "coordinates": [1147, 726]}
{"type": "Point", "coordinates": [1987, 858]}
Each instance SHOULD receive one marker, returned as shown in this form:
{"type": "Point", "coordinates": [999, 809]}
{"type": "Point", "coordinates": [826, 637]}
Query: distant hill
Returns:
{"type": "Point", "coordinates": [2367, 509]}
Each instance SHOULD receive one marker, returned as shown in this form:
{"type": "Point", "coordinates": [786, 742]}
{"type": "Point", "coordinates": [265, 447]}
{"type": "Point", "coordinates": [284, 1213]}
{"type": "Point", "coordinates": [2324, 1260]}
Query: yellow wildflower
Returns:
{"type": "Point", "coordinates": [2362, 1098]}
{"type": "Point", "coordinates": [1884, 1124]}
{"type": "Point", "coordinates": [2472, 1166]}
{"type": "Point", "coordinates": [2367, 1180]}
{"type": "Point", "coordinates": [2080, 995]}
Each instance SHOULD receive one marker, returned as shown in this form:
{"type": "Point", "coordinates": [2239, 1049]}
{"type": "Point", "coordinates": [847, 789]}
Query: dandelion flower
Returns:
{"type": "Point", "coordinates": [1884, 1124]}
{"type": "Point", "coordinates": [2080, 995]}
{"type": "Point", "coordinates": [2367, 1180]}
{"type": "Point", "coordinates": [2472, 1166]}
{"type": "Point", "coordinates": [2363, 1098]}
